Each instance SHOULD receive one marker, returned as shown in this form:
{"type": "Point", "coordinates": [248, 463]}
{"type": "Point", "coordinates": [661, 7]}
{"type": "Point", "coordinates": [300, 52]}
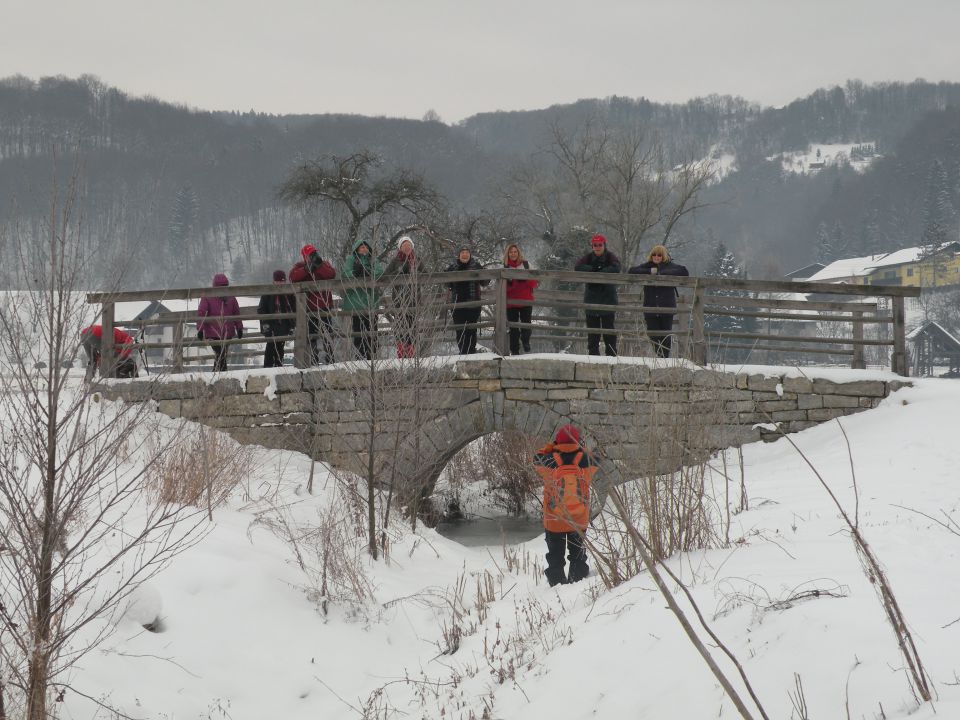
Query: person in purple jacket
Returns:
{"type": "Point", "coordinates": [213, 324]}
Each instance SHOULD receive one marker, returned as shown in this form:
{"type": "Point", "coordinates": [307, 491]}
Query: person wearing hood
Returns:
{"type": "Point", "coordinates": [659, 262]}
{"type": "Point", "coordinates": [567, 471]}
{"type": "Point", "coordinates": [311, 269]}
{"type": "Point", "coordinates": [213, 324]}
{"type": "Point", "coordinates": [362, 302]}
{"type": "Point", "coordinates": [600, 260]}
{"type": "Point", "coordinates": [405, 295]}
{"type": "Point", "coordinates": [466, 291]}
{"type": "Point", "coordinates": [518, 290]}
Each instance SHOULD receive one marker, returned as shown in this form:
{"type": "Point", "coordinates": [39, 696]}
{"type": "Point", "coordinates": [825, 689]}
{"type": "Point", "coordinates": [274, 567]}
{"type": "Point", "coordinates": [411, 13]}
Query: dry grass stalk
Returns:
{"type": "Point", "coordinates": [201, 470]}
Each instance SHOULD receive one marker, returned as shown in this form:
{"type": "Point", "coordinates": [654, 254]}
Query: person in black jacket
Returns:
{"type": "Point", "coordinates": [600, 260]}
{"type": "Point", "coordinates": [463, 292]}
{"type": "Point", "coordinates": [659, 262]}
{"type": "Point", "coordinates": [276, 327]}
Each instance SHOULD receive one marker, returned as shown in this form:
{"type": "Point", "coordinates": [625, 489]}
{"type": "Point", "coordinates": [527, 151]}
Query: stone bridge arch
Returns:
{"type": "Point", "coordinates": [632, 411]}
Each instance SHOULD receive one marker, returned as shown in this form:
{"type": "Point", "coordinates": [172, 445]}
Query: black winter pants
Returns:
{"type": "Point", "coordinates": [518, 335]}
{"type": "Point", "coordinates": [571, 545]}
{"type": "Point", "coordinates": [321, 335]}
{"type": "Point", "coordinates": [273, 353]}
{"type": "Point", "coordinates": [602, 321]}
{"type": "Point", "coordinates": [662, 323]}
{"type": "Point", "coordinates": [219, 356]}
{"type": "Point", "coordinates": [364, 340]}
{"type": "Point", "coordinates": [466, 337]}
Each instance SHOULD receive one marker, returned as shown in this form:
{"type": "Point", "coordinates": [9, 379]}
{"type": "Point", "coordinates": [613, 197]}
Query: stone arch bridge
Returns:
{"type": "Point", "coordinates": [637, 414]}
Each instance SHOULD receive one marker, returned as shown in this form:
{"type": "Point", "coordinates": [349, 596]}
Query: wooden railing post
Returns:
{"type": "Point", "coordinates": [698, 338]}
{"type": "Point", "coordinates": [858, 362]}
{"type": "Point", "coordinates": [302, 354]}
{"type": "Point", "coordinates": [108, 360]}
{"type": "Point", "coordinates": [898, 362]}
{"type": "Point", "coordinates": [501, 343]}
{"type": "Point", "coordinates": [177, 358]}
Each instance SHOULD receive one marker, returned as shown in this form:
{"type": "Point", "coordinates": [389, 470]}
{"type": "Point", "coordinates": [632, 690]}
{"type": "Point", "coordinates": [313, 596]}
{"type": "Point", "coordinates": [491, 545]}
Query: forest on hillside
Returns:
{"type": "Point", "coordinates": [176, 194]}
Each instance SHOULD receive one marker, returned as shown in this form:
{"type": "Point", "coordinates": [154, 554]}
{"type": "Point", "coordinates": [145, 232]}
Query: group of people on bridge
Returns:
{"type": "Point", "coordinates": [217, 322]}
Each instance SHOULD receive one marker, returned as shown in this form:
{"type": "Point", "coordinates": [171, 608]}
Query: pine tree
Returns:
{"type": "Point", "coordinates": [183, 222]}
{"type": "Point", "coordinates": [823, 249]}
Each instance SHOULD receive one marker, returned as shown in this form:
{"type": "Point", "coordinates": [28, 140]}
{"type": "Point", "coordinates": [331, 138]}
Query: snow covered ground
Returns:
{"type": "Point", "coordinates": [242, 636]}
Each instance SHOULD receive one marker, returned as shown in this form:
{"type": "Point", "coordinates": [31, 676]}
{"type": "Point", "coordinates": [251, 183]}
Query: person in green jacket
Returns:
{"type": "Point", "coordinates": [362, 302]}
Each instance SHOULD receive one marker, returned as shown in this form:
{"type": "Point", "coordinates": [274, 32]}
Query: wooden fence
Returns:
{"type": "Point", "coordinates": [717, 319]}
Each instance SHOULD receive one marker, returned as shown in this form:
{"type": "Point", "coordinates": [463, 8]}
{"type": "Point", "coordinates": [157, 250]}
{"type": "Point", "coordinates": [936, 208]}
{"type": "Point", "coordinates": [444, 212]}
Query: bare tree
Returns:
{"type": "Point", "coordinates": [80, 527]}
{"type": "Point", "coordinates": [616, 181]}
{"type": "Point", "coordinates": [357, 184]}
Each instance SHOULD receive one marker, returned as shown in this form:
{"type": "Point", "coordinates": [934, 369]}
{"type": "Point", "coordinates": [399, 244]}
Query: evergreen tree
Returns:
{"type": "Point", "coordinates": [183, 223]}
{"type": "Point", "coordinates": [937, 210]}
{"type": "Point", "coordinates": [823, 249]}
{"type": "Point", "coordinates": [723, 264]}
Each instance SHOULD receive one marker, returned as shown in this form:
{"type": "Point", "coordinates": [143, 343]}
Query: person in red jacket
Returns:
{"type": "Point", "coordinates": [567, 470]}
{"type": "Point", "coordinates": [319, 302]}
{"type": "Point", "coordinates": [518, 290]}
{"type": "Point", "coordinates": [91, 338]}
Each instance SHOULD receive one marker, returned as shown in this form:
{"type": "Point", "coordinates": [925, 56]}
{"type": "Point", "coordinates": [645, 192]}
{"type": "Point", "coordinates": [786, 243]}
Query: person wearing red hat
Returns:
{"type": "Point", "coordinates": [567, 471]}
{"type": "Point", "coordinates": [272, 328]}
{"type": "Point", "coordinates": [600, 260]}
{"type": "Point", "coordinates": [319, 302]}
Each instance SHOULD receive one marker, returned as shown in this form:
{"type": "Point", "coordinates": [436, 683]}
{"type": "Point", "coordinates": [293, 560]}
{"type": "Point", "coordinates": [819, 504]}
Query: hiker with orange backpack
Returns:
{"type": "Point", "coordinates": [567, 470]}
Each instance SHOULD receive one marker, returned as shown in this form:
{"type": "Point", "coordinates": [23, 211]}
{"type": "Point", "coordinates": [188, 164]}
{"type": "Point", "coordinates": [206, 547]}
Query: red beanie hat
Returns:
{"type": "Point", "coordinates": [598, 239]}
{"type": "Point", "coordinates": [306, 251]}
{"type": "Point", "coordinates": [567, 434]}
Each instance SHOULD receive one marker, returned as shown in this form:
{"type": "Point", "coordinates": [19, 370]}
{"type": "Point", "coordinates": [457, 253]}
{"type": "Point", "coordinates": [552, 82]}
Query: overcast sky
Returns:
{"type": "Point", "coordinates": [460, 57]}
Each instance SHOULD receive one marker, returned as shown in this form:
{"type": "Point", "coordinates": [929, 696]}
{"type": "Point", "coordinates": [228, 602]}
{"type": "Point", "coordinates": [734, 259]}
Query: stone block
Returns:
{"type": "Point", "coordinates": [762, 383]}
{"type": "Point", "coordinates": [739, 406]}
{"type": "Point", "coordinates": [257, 384]}
{"type": "Point", "coordinates": [477, 370]}
{"type": "Point", "coordinates": [293, 381]}
{"type": "Point", "coordinates": [606, 395]}
{"type": "Point", "coordinates": [713, 379]}
{"type": "Point", "coordinates": [840, 401]}
{"type": "Point", "coordinates": [225, 387]}
{"type": "Point", "coordinates": [798, 385]}
{"type": "Point", "coordinates": [785, 415]}
{"type": "Point", "coordinates": [809, 402]}
{"type": "Point", "coordinates": [488, 385]}
{"type": "Point", "coordinates": [671, 377]}
{"type": "Point", "coordinates": [862, 388]}
{"type": "Point", "coordinates": [538, 368]}
{"type": "Point", "coordinates": [296, 402]}
{"type": "Point", "coordinates": [589, 406]}
{"type": "Point", "coordinates": [630, 374]}
{"type": "Point", "coordinates": [525, 394]}
{"type": "Point", "coordinates": [824, 414]}
{"type": "Point", "coordinates": [568, 394]}
{"type": "Point", "coordinates": [597, 373]}
{"type": "Point", "coordinates": [334, 400]}
{"type": "Point", "coordinates": [776, 405]}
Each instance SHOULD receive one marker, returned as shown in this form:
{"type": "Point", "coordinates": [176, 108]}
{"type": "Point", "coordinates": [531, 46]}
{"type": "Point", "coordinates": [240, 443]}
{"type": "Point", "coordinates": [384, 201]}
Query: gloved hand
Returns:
{"type": "Point", "coordinates": [199, 334]}
{"type": "Point", "coordinates": [361, 269]}
{"type": "Point", "coordinates": [314, 262]}
{"type": "Point", "coordinates": [240, 332]}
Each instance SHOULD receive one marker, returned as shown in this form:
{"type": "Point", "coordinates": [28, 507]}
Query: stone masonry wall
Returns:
{"type": "Point", "coordinates": [634, 412]}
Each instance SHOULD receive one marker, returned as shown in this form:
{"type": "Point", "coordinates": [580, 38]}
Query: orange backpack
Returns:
{"type": "Point", "coordinates": [566, 496]}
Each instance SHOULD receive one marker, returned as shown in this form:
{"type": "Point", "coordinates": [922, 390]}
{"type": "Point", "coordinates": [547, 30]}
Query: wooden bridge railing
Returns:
{"type": "Point", "coordinates": [717, 319]}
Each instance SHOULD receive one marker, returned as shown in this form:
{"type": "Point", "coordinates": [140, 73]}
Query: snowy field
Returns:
{"type": "Point", "coordinates": [243, 636]}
